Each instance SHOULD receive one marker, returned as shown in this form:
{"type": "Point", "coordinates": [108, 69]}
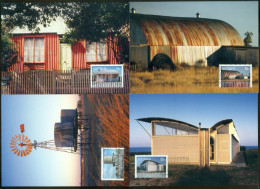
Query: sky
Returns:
{"type": "Point", "coordinates": [159, 159]}
{"type": "Point", "coordinates": [42, 167]}
{"type": "Point", "coordinates": [245, 70]}
{"type": "Point", "coordinates": [242, 15]}
{"type": "Point", "coordinates": [194, 108]}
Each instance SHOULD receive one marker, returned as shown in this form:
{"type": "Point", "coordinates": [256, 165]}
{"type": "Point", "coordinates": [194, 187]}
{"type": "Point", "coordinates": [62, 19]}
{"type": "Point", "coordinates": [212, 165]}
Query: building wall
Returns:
{"type": "Point", "coordinates": [235, 147]}
{"type": "Point", "coordinates": [180, 149]}
{"type": "Point", "coordinates": [191, 55]}
{"type": "Point", "coordinates": [151, 166]}
{"type": "Point", "coordinates": [51, 53]}
{"type": "Point", "coordinates": [223, 148]}
{"type": "Point", "coordinates": [139, 56]}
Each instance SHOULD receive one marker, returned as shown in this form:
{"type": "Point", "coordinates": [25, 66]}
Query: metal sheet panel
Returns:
{"type": "Point", "coordinates": [177, 31]}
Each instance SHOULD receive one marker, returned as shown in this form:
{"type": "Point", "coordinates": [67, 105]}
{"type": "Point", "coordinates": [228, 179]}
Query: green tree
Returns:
{"type": "Point", "coordinates": [248, 39]}
{"type": "Point", "coordinates": [99, 20]}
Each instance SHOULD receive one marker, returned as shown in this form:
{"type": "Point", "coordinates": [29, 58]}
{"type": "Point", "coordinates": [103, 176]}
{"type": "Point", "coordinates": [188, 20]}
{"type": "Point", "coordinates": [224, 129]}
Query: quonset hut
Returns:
{"type": "Point", "coordinates": [188, 144]}
{"type": "Point", "coordinates": [193, 41]}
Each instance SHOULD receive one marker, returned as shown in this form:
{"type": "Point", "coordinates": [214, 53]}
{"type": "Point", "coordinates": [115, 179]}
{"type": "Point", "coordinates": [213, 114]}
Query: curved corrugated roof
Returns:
{"type": "Point", "coordinates": [150, 119]}
{"type": "Point", "coordinates": [177, 31]}
{"type": "Point", "coordinates": [223, 122]}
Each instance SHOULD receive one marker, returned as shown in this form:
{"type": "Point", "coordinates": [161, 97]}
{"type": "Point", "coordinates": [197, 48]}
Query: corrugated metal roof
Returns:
{"type": "Point", "coordinates": [150, 119]}
{"type": "Point", "coordinates": [57, 26]}
{"type": "Point", "coordinates": [178, 31]}
{"type": "Point", "coordinates": [223, 122]}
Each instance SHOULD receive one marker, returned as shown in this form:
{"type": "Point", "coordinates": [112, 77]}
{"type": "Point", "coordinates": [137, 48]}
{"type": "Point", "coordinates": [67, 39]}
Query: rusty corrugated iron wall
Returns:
{"type": "Point", "coordinates": [79, 54]}
{"type": "Point", "coordinates": [174, 31]}
{"type": "Point", "coordinates": [51, 53]}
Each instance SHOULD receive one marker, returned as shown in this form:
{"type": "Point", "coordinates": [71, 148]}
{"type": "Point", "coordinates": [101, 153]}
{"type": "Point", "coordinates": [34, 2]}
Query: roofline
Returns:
{"type": "Point", "coordinates": [176, 17]}
{"type": "Point", "coordinates": [150, 160]}
{"type": "Point", "coordinates": [225, 121]}
{"type": "Point", "coordinates": [165, 119]}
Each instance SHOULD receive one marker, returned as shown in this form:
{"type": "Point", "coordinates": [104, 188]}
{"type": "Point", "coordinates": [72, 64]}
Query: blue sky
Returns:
{"type": "Point", "coordinates": [242, 15]}
{"type": "Point", "coordinates": [157, 159]}
{"type": "Point", "coordinates": [245, 70]}
{"type": "Point", "coordinates": [111, 67]}
{"type": "Point", "coordinates": [194, 108]}
{"type": "Point", "coordinates": [42, 167]}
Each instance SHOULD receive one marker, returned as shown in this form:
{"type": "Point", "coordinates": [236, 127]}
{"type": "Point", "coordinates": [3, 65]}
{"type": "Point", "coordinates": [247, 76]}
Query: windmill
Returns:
{"type": "Point", "coordinates": [69, 136]}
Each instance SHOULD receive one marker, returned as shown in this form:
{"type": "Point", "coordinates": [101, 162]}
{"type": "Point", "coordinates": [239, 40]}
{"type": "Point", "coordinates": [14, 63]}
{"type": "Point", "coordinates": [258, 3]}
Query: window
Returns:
{"type": "Point", "coordinates": [96, 51]}
{"type": "Point", "coordinates": [34, 49]}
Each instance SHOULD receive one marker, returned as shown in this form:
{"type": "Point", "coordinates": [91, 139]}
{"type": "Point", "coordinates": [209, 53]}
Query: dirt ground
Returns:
{"type": "Point", "coordinates": [108, 119]}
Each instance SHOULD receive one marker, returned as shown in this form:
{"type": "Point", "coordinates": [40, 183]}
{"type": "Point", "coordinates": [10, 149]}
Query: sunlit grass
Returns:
{"type": "Point", "coordinates": [185, 80]}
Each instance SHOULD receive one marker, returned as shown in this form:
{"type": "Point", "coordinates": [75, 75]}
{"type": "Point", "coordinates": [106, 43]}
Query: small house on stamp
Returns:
{"type": "Point", "coordinates": [192, 41]}
{"type": "Point", "coordinates": [150, 165]}
{"type": "Point", "coordinates": [44, 50]}
{"type": "Point", "coordinates": [188, 144]}
{"type": "Point", "coordinates": [106, 76]}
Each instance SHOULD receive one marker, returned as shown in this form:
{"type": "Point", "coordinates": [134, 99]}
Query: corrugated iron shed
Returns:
{"type": "Point", "coordinates": [178, 31]}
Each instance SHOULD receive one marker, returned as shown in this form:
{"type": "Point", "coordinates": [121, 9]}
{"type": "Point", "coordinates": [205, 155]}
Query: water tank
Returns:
{"type": "Point", "coordinates": [109, 159]}
{"type": "Point", "coordinates": [64, 134]}
{"type": "Point", "coordinates": [68, 115]}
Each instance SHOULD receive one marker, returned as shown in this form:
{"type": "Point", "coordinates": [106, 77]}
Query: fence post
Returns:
{"type": "Point", "coordinates": [72, 82]}
{"type": "Point", "coordinates": [53, 82]}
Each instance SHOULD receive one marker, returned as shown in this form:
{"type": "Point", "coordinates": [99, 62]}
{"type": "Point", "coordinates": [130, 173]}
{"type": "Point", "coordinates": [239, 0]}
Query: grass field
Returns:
{"type": "Point", "coordinates": [185, 80]}
{"type": "Point", "coordinates": [192, 175]}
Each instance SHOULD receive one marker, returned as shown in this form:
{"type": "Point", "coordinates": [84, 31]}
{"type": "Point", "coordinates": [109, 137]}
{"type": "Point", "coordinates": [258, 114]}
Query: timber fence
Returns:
{"type": "Point", "coordinates": [60, 82]}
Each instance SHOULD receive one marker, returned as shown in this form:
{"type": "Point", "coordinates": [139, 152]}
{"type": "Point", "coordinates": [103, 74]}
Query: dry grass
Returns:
{"type": "Point", "coordinates": [185, 80]}
{"type": "Point", "coordinates": [109, 115]}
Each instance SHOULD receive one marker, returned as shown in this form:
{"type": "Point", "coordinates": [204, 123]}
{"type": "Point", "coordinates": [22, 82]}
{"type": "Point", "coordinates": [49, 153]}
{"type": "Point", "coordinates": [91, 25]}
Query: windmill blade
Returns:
{"type": "Point", "coordinates": [26, 138]}
{"type": "Point", "coordinates": [28, 151]}
{"type": "Point", "coordinates": [16, 150]}
{"type": "Point", "coordinates": [19, 153]}
{"type": "Point", "coordinates": [19, 136]}
{"type": "Point", "coordinates": [16, 137]}
{"type": "Point", "coordinates": [23, 137]}
{"type": "Point", "coordinates": [12, 147]}
{"type": "Point", "coordinates": [22, 153]}
{"type": "Point", "coordinates": [25, 153]}
{"type": "Point", "coordinates": [13, 141]}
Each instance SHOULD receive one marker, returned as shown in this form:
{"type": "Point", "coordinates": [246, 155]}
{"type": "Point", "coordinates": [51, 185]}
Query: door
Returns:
{"type": "Point", "coordinates": [65, 57]}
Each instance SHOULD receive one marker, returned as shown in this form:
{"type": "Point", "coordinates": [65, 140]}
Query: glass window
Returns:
{"type": "Point", "coordinates": [96, 51]}
{"type": "Point", "coordinates": [34, 50]}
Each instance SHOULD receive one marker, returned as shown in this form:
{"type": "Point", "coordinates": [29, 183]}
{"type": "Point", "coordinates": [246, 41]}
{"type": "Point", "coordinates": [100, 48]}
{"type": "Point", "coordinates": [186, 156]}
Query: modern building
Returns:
{"type": "Point", "coordinates": [185, 143]}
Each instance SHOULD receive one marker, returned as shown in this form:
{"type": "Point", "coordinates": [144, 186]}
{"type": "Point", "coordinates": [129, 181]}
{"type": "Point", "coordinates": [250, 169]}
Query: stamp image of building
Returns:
{"type": "Point", "coordinates": [192, 41]}
{"type": "Point", "coordinates": [185, 143]}
{"type": "Point", "coordinates": [230, 74]}
{"type": "Point", "coordinates": [106, 76]}
{"type": "Point", "coordinates": [150, 165]}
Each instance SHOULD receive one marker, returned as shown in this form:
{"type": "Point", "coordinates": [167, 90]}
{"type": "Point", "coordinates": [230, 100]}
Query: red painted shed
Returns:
{"type": "Point", "coordinates": [43, 50]}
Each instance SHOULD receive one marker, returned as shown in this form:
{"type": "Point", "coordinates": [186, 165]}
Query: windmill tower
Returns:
{"type": "Point", "coordinates": [68, 137]}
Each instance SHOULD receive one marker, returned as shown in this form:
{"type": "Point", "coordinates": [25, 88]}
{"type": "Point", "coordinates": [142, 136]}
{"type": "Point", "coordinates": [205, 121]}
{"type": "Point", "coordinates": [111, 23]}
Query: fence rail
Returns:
{"type": "Point", "coordinates": [58, 82]}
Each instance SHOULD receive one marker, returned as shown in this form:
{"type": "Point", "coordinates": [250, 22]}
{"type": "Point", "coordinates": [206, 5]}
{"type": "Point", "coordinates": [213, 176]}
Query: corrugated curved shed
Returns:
{"type": "Point", "coordinates": [177, 31]}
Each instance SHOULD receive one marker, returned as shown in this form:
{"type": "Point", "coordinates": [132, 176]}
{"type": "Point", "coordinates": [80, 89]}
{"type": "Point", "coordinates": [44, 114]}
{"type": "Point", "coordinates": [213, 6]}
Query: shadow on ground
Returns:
{"type": "Point", "coordinates": [204, 176]}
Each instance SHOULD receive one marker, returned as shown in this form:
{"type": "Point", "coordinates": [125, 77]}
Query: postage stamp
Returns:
{"type": "Point", "coordinates": [107, 76]}
{"type": "Point", "coordinates": [112, 164]}
{"type": "Point", "coordinates": [151, 166]}
{"type": "Point", "coordinates": [231, 75]}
